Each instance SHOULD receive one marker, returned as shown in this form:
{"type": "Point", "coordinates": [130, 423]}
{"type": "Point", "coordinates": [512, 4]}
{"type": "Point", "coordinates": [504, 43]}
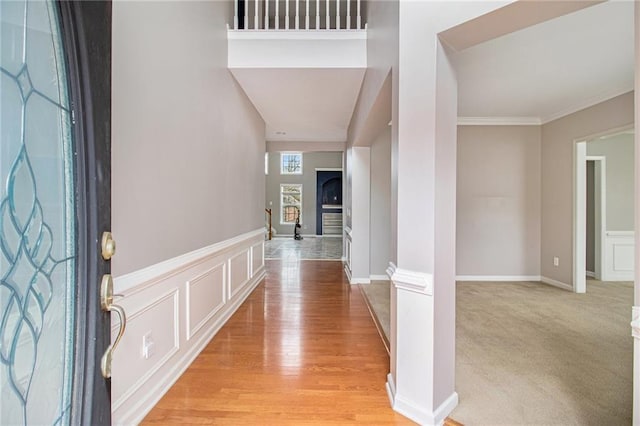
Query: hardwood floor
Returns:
{"type": "Point", "coordinates": [302, 349]}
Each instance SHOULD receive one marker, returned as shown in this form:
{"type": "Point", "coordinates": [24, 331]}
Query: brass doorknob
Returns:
{"type": "Point", "coordinates": [106, 303]}
{"type": "Point", "coordinates": [108, 246]}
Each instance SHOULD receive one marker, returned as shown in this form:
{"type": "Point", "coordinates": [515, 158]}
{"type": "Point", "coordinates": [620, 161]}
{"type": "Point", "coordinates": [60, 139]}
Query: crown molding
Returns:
{"type": "Point", "coordinates": [499, 121]}
{"type": "Point", "coordinates": [586, 104]}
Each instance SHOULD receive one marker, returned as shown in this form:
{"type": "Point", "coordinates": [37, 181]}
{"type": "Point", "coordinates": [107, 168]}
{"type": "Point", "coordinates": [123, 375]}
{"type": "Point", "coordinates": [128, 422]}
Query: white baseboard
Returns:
{"type": "Point", "coordinates": [418, 414]}
{"type": "Point", "coordinates": [591, 274]}
{"type": "Point", "coordinates": [383, 277]}
{"type": "Point", "coordinates": [391, 389]}
{"type": "Point", "coordinates": [445, 408]}
{"type": "Point", "coordinates": [354, 280]}
{"type": "Point", "coordinates": [556, 283]}
{"type": "Point", "coordinates": [209, 289]}
{"type": "Point", "coordinates": [347, 271]}
{"type": "Point", "coordinates": [498, 278]}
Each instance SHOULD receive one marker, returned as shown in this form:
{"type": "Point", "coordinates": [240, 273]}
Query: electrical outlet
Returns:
{"type": "Point", "coordinates": [556, 261]}
{"type": "Point", "coordinates": [148, 346]}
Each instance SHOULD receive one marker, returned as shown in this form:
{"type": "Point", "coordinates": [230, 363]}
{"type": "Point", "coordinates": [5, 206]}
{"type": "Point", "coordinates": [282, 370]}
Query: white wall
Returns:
{"type": "Point", "coordinates": [380, 204]}
{"type": "Point", "coordinates": [310, 161]}
{"type": "Point", "coordinates": [187, 145]}
{"type": "Point", "coordinates": [498, 202]}
{"type": "Point", "coordinates": [558, 140]}
{"type": "Point", "coordinates": [357, 235]}
{"type": "Point", "coordinates": [619, 154]}
{"type": "Point", "coordinates": [382, 57]}
{"type": "Point", "coordinates": [187, 192]}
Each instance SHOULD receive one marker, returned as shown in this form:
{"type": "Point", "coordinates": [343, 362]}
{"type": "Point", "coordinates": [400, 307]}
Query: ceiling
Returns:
{"type": "Point", "coordinates": [313, 104]}
{"type": "Point", "coordinates": [550, 69]}
{"type": "Point", "coordinates": [531, 76]}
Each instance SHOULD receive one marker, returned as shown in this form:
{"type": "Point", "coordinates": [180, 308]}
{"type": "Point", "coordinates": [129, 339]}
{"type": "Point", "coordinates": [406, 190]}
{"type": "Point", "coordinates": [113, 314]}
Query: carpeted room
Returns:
{"type": "Point", "coordinates": [529, 352]}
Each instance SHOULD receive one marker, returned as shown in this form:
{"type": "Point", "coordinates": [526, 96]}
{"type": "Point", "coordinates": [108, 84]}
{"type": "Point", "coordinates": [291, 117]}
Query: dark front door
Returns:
{"type": "Point", "coordinates": [328, 200]}
{"type": "Point", "coordinates": [54, 204]}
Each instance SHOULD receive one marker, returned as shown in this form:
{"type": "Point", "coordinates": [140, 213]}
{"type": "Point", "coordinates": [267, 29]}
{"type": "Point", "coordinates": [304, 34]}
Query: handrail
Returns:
{"type": "Point", "coordinates": [270, 232]}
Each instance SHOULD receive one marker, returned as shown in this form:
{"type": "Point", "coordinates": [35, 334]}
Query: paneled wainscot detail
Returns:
{"type": "Point", "coordinates": [205, 297]}
{"type": "Point", "coordinates": [619, 256]}
{"type": "Point", "coordinates": [238, 272]}
{"type": "Point", "coordinates": [174, 309]}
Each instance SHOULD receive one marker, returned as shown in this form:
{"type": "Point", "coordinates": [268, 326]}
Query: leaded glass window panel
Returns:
{"type": "Point", "coordinates": [37, 235]}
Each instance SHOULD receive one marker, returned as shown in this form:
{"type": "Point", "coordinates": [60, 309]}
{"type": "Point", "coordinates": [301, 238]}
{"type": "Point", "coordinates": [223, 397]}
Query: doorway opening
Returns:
{"type": "Point", "coordinates": [603, 210]}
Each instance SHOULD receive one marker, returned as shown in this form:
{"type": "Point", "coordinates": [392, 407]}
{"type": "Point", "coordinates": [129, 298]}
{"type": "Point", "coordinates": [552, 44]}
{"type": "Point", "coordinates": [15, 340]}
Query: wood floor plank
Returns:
{"type": "Point", "coordinates": [301, 350]}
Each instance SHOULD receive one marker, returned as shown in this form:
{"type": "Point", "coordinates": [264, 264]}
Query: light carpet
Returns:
{"type": "Point", "coordinates": [531, 354]}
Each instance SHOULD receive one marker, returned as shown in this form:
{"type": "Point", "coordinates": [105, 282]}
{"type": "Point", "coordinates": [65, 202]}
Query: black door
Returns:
{"type": "Point", "coordinates": [54, 206]}
{"type": "Point", "coordinates": [328, 197]}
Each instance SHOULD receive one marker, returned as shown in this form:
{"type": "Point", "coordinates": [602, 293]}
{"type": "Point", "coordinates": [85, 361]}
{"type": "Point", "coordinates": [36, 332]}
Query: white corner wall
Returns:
{"type": "Point", "coordinates": [310, 162]}
{"type": "Point", "coordinates": [558, 146]}
{"type": "Point", "coordinates": [187, 192]}
{"type": "Point", "coordinates": [187, 144]}
{"type": "Point", "coordinates": [619, 153]}
{"type": "Point", "coordinates": [380, 225]}
{"type": "Point", "coordinates": [498, 203]}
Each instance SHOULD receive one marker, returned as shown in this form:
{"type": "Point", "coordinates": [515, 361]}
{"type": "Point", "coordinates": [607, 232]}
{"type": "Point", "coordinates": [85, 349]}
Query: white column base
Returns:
{"type": "Point", "coordinates": [416, 413]}
{"type": "Point", "coordinates": [635, 332]}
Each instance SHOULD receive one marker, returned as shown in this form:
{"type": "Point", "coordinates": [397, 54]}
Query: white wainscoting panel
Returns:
{"type": "Point", "coordinates": [177, 306]}
{"type": "Point", "coordinates": [618, 256]}
{"type": "Point", "coordinates": [205, 297]}
{"type": "Point", "coordinates": [238, 272]}
{"type": "Point", "coordinates": [257, 257]}
{"type": "Point", "coordinates": [347, 248]}
{"type": "Point", "coordinates": [160, 321]}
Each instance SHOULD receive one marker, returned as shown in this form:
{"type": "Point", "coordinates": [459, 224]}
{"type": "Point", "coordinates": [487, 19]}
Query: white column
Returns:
{"type": "Point", "coordinates": [348, 14]}
{"type": "Point", "coordinates": [359, 169]}
{"type": "Point", "coordinates": [286, 15]}
{"type": "Point", "coordinates": [256, 17]}
{"type": "Point", "coordinates": [246, 15]}
{"type": "Point", "coordinates": [235, 14]}
{"type": "Point", "coordinates": [328, 21]}
{"type": "Point", "coordinates": [636, 309]}
{"type": "Point", "coordinates": [421, 381]}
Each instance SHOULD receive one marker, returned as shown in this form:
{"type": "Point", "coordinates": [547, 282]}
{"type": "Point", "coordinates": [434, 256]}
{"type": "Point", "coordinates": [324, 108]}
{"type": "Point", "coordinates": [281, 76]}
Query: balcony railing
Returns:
{"type": "Point", "coordinates": [297, 15]}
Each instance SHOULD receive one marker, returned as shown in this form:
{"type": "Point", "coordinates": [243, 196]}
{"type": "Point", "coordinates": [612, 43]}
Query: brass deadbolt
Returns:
{"type": "Point", "coordinates": [108, 246]}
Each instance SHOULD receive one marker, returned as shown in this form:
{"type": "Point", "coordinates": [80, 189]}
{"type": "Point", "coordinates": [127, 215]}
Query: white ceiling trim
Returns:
{"type": "Point", "coordinates": [499, 121]}
{"type": "Point", "coordinates": [586, 104]}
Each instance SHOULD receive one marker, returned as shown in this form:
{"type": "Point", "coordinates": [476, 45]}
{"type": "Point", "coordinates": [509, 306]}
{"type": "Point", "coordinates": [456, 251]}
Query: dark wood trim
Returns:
{"type": "Point", "coordinates": [86, 33]}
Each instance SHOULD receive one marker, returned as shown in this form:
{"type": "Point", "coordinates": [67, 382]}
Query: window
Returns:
{"type": "Point", "coordinates": [290, 203]}
{"type": "Point", "coordinates": [291, 163]}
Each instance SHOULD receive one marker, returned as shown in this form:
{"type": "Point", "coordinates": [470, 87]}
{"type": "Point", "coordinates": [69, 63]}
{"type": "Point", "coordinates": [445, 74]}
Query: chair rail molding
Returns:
{"type": "Point", "coordinates": [417, 282]}
{"type": "Point", "coordinates": [635, 322]}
